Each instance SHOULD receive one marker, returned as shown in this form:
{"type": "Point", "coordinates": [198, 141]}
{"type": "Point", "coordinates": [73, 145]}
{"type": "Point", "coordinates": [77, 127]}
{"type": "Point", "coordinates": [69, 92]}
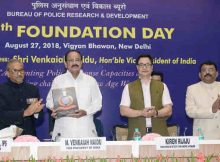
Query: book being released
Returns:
{"type": "Point", "coordinates": [65, 100]}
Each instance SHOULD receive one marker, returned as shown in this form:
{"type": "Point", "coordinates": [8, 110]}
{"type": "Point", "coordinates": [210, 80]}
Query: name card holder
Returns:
{"type": "Point", "coordinates": [177, 143]}
{"type": "Point", "coordinates": [83, 144]}
{"type": "Point", "coordinates": [5, 144]}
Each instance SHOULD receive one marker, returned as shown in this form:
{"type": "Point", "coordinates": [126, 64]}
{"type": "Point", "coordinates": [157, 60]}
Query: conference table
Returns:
{"type": "Point", "coordinates": [114, 150]}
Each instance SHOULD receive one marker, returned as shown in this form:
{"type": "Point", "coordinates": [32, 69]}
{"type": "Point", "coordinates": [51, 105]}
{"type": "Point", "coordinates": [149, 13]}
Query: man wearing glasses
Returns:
{"type": "Point", "coordinates": [146, 102]}
{"type": "Point", "coordinates": [80, 123]}
{"type": "Point", "coordinates": [19, 101]}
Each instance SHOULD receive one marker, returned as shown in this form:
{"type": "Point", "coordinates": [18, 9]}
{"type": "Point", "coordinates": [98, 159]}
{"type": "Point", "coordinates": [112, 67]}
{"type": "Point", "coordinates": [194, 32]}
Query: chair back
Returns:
{"type": "Point", "coordinates": [173, 129]}
{"type": "Point", "coordinates": [120, 132]}
{"type": "Point", "coordinates": [99, 127]}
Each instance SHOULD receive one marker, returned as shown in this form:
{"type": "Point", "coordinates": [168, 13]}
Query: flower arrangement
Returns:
{"type": "Point", "coordinates": [200, 157]}
{"type": "Point", "coordinates": [150, 137]}
{"type": "Point", "coordinates": [26, 138]}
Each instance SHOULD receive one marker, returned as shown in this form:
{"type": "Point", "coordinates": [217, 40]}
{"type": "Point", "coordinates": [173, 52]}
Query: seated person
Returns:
{"type": "Point", "coordinates": [157, 75]}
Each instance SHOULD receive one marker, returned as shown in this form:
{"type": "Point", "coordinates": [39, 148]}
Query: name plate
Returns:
{"type": "Point", "coordinates": [177, 143]}
{"type": "Point", "coordinates": [5, 145]}
{"type": "Point", "coordinates": [83, 144]}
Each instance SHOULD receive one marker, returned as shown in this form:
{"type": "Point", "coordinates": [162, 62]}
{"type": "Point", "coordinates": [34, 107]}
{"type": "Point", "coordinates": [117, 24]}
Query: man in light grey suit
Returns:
{"type": "Point", "coordinates": [203, 102]}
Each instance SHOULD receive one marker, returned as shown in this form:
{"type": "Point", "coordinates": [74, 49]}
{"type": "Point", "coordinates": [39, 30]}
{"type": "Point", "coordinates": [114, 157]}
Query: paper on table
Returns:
{"type": "Point", "coordinates": [10, 132]}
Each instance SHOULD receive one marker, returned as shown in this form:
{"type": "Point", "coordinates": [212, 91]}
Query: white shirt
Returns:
{"type": "Point", "coordinates": [89, 99]}
{"type": "Point", "coordinates": [199, 100]}
{"type": "Point", "coordinates": [125, 99]}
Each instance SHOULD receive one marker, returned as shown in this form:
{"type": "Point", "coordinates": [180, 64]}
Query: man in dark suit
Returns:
{"type": "Point", "coordinates": [20, 102]}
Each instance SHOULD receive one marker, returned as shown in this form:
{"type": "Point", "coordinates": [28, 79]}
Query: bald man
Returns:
{"type": "Point", "coordinates": [19, 101]}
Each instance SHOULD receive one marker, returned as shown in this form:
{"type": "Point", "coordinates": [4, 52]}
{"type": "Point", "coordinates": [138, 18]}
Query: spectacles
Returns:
{"type": "Point", "coordinates": [144, 65]}
{"type": "Point", "coordinates": [208, 70]}
{"type": "Point", "coordinates": [74, 60]}
{"type": "Point", "coordinates": [17, 71]}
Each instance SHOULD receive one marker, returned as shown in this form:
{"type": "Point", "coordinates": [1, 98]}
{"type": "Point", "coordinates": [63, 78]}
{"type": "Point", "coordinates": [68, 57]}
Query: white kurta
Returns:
{"type": "Point", "coordinates": [89, 99]}
{"type": "Point", "coordinates": [199, 100]}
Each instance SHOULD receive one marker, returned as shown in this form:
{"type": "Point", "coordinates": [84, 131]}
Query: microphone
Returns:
{"type": "Point", "coordinates": [184, 132]}
{"type": "Point", "coordinates": [57, 138]}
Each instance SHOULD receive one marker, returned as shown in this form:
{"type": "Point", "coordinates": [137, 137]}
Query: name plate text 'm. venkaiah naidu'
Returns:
{"type": "Point", "coordinates": [83, 144]}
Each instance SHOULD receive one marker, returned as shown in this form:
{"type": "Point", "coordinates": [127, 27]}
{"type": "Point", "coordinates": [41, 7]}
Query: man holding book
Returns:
{"type": "Point", "coordinates": [73, 99]}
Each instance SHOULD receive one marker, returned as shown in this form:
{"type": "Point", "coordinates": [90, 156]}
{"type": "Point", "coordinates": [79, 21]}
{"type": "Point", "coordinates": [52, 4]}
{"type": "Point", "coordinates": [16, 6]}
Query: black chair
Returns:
{"type": "Point", "coordinates": [120, 132]}
{"type": "Point", "coordinates": [99, 127]}
{"type": "Point", "coordinates": [173, 129]}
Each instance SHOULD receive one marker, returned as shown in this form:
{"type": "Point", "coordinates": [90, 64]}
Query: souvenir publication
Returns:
{"type": "Point", "coordinates": [65, 100]}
